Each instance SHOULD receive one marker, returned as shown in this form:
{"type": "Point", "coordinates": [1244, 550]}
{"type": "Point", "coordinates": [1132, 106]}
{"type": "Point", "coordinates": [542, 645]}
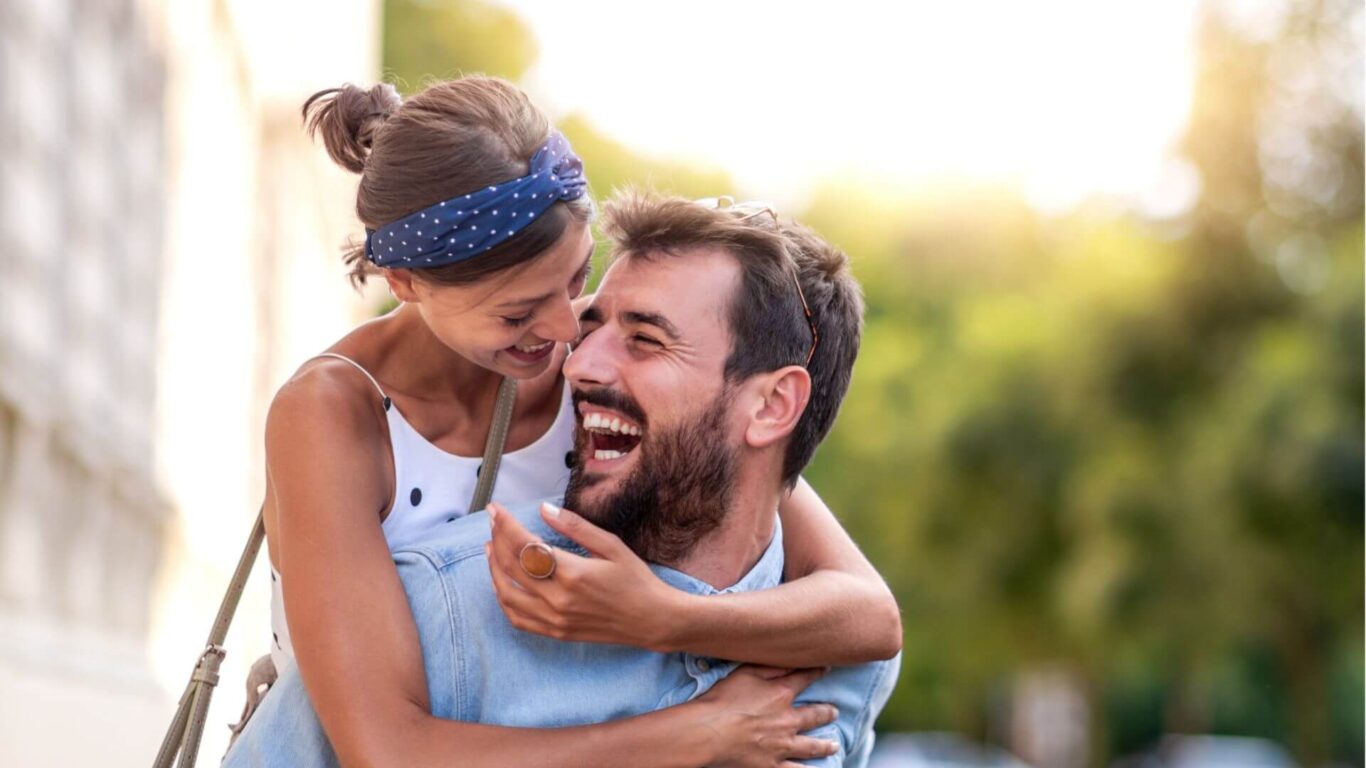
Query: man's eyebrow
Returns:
{"type": "Point", "coordinates": [532, 301]}
{"type": "Point", "coordinates": [652, 318]}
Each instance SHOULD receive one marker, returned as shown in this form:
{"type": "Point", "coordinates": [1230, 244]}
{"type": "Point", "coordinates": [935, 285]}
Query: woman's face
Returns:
{"type": "Point", "coordinates": [509, 322]}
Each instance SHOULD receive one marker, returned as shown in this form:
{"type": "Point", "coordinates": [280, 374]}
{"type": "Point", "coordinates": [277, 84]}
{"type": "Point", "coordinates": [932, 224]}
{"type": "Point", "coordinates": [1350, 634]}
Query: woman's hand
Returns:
{"type": "Point", "coordinates": [612, 597]}
{"type": "Point", "coordinates": [755, 723]}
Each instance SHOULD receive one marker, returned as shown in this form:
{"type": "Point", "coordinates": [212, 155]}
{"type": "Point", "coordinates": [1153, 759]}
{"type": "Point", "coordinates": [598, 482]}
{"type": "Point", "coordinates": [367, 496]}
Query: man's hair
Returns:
{"type": "Point", "coordinates": [768, 327]}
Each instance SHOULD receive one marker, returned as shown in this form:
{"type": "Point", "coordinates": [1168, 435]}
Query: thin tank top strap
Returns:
{"type": "Point", "coordinates": [358, 367]}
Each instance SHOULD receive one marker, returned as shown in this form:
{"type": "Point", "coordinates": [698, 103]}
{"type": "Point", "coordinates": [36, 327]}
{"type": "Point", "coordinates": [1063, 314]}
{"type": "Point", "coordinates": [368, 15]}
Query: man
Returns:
{"type": "Point", "coordinates": [703, 382]}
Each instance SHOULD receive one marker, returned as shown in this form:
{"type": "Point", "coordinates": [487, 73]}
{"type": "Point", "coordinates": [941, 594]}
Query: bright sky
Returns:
{"type": "Point", "coordinates": [1060, 98]}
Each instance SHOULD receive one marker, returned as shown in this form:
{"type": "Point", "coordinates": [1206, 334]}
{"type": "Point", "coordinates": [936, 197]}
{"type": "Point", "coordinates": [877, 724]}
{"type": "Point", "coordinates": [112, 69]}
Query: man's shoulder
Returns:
{"type": "Point", "coordinates": [449, 545]}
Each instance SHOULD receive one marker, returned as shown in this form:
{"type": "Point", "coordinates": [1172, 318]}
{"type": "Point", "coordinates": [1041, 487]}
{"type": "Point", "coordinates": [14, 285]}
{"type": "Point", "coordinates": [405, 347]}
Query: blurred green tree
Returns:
{"type": "Point", "coordinates": [1132, 448]}
{"type": "Point", "coordinates": [422, 40]}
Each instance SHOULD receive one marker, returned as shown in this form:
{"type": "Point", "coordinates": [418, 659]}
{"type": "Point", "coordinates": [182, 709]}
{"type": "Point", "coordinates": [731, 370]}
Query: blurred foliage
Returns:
{"type": "Point", "coordinates": [423, 40]}
{"type": "Point", "coordinates": [1131, 448]}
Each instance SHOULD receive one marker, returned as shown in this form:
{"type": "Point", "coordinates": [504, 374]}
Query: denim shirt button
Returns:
{"type": "Point", "coordinates": [703, 665]}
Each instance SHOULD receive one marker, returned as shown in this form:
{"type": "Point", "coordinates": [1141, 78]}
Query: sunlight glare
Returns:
{"type": "Point", "coordinates": [1062, 99]}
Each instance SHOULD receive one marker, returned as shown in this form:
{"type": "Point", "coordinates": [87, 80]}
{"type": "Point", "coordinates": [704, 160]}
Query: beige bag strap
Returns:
{"type": "Point", "coordinates": [187, 726]}
{"type": "Point", "coordinates": [493, 447]}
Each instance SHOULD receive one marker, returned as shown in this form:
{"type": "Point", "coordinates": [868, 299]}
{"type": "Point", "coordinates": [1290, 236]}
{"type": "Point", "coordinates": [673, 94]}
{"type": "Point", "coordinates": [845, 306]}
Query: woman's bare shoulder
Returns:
{"type": "Point", "coordinates": [327, 405]}
{"type": "Point", "coordinates": [326, 442]}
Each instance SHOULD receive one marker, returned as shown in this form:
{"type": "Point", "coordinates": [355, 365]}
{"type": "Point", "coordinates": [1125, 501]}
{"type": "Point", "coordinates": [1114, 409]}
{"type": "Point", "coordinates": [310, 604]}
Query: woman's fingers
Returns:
{"type": "Point", "coordinates": [524, 610]}
{"type": "Point", "coordinates": [807, 748]}
{"type": "Point", "coordinates": [612, 596]}
{"type": "Point", "coordinates": [590, 537]}
{"type": "Point", "coordinates": [505, 585]}
{"type": "Point", "coordinates": [812, 716]}
{"type": "Point", "coordinates": [800, 680]}
{"type": "Point", "coordinates": [501, 561]}
{"type": "Point", "coordinates": [509, 536]}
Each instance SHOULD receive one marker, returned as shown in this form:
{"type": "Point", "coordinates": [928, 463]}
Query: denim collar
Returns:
{"type": "Point", "coordinates": [768, 572]}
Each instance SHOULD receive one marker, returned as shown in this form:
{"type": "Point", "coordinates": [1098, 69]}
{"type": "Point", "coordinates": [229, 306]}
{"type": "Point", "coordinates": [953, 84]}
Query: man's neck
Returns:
{"type": "Point", "coordinates": [724, 556]}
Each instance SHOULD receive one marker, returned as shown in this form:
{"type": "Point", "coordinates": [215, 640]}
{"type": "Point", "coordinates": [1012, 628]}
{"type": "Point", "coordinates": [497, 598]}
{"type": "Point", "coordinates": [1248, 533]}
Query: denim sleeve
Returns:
{"type": "Point", "coordinates": [436, 610]}
{"type": "Point", "coordinates": [859, 692]}
{"type": "Point", "coordinates": [284, 731]}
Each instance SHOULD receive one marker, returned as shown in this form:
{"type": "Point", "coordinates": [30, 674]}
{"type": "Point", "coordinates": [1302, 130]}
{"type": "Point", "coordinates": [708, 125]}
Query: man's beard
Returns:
{"type": "Point", "coordinates": [678, 492]}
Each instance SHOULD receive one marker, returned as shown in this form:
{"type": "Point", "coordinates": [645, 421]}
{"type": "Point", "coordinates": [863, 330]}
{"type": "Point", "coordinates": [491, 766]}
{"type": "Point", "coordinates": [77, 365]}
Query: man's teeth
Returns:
{"type": "Point", "coordinates": [605, 455]}
{"type": "Point", "coordinates": [534, 348]}
{"type": "Point", "coordinates": [604, 423]}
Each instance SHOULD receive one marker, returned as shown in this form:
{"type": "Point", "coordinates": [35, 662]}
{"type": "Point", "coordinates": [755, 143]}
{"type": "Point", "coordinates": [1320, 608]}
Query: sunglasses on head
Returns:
{"type": "Point", "coordinates": [749, 210]}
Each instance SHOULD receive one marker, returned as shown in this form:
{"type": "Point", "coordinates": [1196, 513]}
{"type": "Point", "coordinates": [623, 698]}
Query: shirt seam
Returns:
{"type": "Point", "coordinates": [461, 694]}
{"type": "Point", "coordinates": [865, 710]}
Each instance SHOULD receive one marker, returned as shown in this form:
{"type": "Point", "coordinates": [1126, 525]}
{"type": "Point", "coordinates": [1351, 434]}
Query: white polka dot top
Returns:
{"type": "Point", "coordinates": [434, 487]}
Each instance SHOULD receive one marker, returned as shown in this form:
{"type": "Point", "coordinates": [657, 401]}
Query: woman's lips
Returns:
{"type": "Point", "coordinates": [530, 354]}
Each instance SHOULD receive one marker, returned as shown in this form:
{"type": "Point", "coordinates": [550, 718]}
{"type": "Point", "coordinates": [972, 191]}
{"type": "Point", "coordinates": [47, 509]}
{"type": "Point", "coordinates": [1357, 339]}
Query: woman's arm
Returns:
{"type": "Point", "coordinates": [834, 609]}
{"type": "Point", "coordinates": [745, 720]}
{"type": "Point", "coordinates": [356, 641]}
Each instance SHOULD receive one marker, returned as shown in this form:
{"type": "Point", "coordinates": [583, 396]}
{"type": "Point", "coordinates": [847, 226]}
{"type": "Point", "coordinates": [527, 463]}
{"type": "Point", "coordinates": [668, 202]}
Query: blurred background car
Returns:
{"type": "Point", "coordinates": [1211, 752]}
{"type": "Point", "coordinates": [938, 750]}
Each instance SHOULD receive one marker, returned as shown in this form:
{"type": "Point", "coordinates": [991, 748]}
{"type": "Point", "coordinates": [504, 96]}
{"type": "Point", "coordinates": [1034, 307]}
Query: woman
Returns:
{"type": "Point", "coordinates": [368, 446]}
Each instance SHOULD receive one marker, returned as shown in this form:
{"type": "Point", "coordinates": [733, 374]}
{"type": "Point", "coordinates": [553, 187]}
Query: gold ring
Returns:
{"type": "Point", "coordinates": [537, 559]}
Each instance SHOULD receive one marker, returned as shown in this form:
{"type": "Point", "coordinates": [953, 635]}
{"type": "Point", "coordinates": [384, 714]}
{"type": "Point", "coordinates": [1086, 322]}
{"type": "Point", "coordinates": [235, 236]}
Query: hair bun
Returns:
{"type": "Point", "coordinates": [348, 118]}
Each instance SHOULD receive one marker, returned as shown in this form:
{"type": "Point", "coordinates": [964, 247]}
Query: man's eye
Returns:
{"type": "Point", "coordinates": [641, 338]}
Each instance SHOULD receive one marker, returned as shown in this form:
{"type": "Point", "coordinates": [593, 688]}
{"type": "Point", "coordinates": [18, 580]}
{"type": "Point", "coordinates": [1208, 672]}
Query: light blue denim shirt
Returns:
{"type": "Point", "coordinates": [480, 669]}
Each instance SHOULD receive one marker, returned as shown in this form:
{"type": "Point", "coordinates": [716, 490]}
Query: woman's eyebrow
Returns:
{"type": "Point", "coordinates": [534, 300]}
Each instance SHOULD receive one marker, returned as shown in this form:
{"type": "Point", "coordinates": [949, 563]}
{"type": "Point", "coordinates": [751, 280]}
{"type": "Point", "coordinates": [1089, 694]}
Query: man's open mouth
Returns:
{"type": "Point", "coordinates": [609, 436]}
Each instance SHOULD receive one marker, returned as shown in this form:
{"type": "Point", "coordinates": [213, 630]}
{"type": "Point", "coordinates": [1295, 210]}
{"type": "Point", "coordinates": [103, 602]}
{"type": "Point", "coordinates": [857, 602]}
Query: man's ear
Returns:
{"type": "Point", "coordinates": [401, 284]}
{"type": "Point", "coordinates": [780, 400]}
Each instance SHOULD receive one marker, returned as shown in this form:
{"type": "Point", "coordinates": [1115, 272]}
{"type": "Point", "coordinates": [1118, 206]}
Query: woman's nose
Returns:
{"type": "Point", "coordinates": [561, 323]}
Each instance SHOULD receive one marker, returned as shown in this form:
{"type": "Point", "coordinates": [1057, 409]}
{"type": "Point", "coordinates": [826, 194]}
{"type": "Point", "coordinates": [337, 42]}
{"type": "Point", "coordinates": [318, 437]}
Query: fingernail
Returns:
{"type": "Point", "coordinates": [550, 509]}
{"type": "Point", "coordinates": [831, 747]}
{"type": "Point", "coordinates": [493, 513]}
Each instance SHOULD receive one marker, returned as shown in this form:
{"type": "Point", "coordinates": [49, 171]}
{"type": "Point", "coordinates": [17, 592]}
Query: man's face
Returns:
{"type": "Point", "coordinates": [657, 443]}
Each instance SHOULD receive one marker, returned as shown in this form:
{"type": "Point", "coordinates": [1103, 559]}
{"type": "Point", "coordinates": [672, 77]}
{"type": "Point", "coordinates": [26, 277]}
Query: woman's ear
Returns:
{"type": "Point", "coordinates": [401, 284]}
{"type": "Point", "coordinates": [781, 398]}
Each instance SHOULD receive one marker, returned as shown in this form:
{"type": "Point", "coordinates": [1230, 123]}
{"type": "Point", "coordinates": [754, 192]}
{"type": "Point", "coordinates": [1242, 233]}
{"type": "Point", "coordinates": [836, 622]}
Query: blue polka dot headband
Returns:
{"type": "Point", "coordinates": [467, 225]}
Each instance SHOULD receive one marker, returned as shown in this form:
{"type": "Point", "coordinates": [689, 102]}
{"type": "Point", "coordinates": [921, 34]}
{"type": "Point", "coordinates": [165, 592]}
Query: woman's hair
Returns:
{"type": "Point", "coordinates": [451, 138]}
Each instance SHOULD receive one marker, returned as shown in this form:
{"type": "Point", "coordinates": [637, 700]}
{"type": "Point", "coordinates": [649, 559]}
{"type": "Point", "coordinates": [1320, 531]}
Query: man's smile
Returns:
{"type": "Point", "coordinates": [611, 435]}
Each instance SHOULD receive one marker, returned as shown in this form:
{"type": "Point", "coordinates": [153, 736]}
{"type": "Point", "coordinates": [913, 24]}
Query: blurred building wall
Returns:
{"type": "Point", "coordinates": [171, 255]}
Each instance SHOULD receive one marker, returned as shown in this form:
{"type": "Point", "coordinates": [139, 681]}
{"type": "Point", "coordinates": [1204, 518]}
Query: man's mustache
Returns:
{"type": "Point", "coordinates": [610, 398]}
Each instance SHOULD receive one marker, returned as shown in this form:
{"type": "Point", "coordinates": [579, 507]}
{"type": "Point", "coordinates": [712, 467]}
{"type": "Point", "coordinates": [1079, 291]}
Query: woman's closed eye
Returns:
{"type": "Point", "coordinates": [516, 321]}
{"type": "Point", "coordinates": [581, 280]}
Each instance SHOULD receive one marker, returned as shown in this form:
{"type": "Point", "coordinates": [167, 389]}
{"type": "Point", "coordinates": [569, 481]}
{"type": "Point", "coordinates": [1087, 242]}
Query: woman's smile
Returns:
{"type": "Point", "coordinates": [530, 353]}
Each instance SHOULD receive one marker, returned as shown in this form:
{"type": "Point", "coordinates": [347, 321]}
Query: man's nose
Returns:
{"type": "Point", "coordinates": [592, 362]}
